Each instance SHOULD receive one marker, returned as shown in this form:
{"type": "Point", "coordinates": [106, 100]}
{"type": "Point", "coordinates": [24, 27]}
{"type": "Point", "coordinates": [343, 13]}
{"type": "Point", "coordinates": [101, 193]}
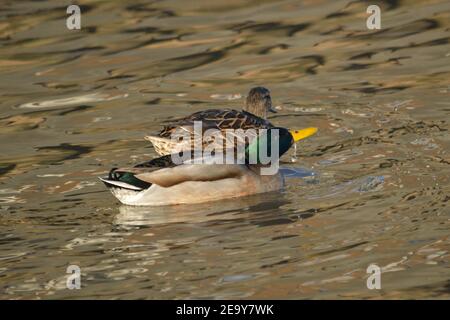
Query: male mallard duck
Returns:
{"type": "Point", "coordinates": [162, 182]}
{"type": "Point", "coordinates": [253, 116]}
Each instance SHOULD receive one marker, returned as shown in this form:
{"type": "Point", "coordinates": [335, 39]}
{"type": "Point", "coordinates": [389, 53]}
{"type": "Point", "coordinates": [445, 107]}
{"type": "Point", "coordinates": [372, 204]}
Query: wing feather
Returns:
{"type": "Point", "coordinates": [191, 172]}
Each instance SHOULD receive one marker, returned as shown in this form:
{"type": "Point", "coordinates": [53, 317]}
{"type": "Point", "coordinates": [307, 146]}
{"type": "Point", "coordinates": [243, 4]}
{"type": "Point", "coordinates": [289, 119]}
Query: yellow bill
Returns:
{"type": "Point", "coordinates": [302, 134]}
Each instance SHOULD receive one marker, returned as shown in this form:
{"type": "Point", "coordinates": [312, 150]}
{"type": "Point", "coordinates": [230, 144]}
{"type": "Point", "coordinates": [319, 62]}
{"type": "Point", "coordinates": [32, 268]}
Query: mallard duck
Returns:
{"type": "Point", "coordinates": [162, 182]}
{"type": "Point", "coordinates": [253, 116]}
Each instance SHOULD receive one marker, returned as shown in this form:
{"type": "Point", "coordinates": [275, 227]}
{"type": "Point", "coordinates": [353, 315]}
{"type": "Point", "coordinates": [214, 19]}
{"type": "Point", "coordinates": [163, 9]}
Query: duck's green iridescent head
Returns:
{"type": "Point", "coordinates": [274, 142]}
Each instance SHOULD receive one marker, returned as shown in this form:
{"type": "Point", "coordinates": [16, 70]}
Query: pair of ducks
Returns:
{"type": "Point", "coordinates": [161, 181]}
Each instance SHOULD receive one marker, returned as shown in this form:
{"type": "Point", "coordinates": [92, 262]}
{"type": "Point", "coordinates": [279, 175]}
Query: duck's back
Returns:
{"type": "Point", "coordinates": [221, 119]}
{"type": "Point", "coordinates": [172, 138]}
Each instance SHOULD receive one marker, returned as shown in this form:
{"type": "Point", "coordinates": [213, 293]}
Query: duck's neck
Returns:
{"type": "Point", "coordinates": [256, 108]}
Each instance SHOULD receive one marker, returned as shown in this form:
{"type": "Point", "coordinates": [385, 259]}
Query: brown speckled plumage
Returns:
{"type": "Point", "coordinates": [252, 117]}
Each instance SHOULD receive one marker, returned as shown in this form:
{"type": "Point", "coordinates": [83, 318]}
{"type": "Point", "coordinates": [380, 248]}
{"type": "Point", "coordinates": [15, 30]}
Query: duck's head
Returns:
{"type": "Point", "coordinates": [285, 138]}
{"type": "Point", "coordinates": [259, 102]}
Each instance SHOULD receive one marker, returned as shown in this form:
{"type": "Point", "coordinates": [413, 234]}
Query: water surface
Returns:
{"type": "Point", "coordinates": [75, 103]}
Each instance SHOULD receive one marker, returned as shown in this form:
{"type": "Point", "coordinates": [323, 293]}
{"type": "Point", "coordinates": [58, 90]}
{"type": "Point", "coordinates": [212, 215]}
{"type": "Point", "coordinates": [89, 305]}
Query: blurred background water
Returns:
{"type": "Point", "coordinates": [371, 187]}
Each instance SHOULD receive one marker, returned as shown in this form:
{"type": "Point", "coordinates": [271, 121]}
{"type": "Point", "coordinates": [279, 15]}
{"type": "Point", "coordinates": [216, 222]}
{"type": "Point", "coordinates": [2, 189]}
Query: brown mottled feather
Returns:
{"type": "Point", "coordinates": [220, 119]}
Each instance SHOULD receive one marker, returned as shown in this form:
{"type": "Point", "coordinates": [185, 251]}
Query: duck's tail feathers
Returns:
{"type": "Point", "coordinates": [119, 184]}
{"type": "Point", "coordinates": [155, 138]}
{"type": "Point", "coordinates": [163, 146]}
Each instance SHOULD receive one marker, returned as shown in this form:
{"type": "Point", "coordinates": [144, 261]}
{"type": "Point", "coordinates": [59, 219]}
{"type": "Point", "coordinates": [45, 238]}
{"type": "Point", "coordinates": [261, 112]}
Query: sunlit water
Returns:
{"type": "Point", "coordinates": [371, 187]}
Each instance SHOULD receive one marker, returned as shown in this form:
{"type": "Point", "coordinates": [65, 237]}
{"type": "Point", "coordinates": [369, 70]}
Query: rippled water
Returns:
{"type": "Point", "coordinates": [75, 103]}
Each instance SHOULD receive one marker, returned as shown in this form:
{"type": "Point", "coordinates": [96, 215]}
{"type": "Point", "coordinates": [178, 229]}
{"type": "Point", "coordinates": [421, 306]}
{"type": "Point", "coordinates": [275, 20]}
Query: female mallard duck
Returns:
{"type": "Point", "coordinates": [253, 116]}
{"type": "Point", "coordinates": [163, 182]}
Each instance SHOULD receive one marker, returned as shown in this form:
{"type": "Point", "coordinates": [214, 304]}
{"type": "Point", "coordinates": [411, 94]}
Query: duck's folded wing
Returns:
{"type": "Point", "coordinates": [191, 172]}
{"type": "Point", "coordinates": [214, 119]}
